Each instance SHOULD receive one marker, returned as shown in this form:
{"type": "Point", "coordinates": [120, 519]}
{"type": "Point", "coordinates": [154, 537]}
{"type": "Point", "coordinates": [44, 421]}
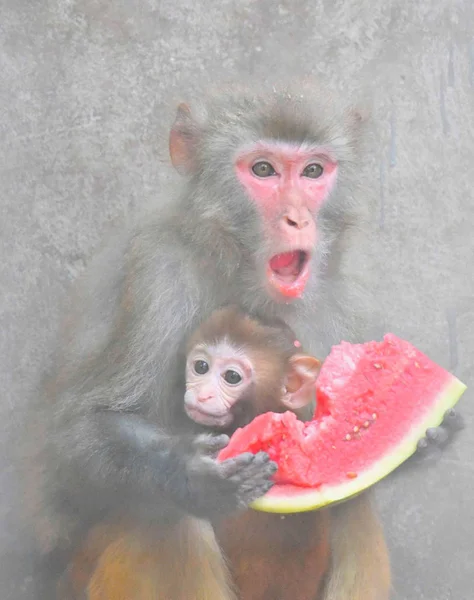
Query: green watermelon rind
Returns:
{"type": "Point", "coordinates": [313, 499]}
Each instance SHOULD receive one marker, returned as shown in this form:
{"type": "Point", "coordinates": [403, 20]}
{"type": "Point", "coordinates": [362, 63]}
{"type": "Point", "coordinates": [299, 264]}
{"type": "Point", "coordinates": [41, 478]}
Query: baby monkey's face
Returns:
{"type": "Point", "coordinates": [218, 376]}
{"type": "Point", "coordinates": [227, 384]}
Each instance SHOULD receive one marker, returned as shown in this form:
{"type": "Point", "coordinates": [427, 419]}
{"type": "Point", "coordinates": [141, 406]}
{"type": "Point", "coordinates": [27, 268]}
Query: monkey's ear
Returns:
{"type": "Point", "coordinates": [182, 140]}
{"type": "Point", "coordinates": [304, 371]}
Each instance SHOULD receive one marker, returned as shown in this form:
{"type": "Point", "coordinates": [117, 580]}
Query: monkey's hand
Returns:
{"type": "Point", "coordinates": [430, 446]}
{"type": "Point", "coordinates": [219, 488]}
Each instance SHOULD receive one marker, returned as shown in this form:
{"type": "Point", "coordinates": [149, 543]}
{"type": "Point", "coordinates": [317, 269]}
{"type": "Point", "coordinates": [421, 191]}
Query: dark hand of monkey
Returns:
{"type": "Point", "coordinates": [214, 488]}
{"type": "Point", "coordinates": [438, 437]}
{"type": "Point", "coordinates": [145, 462]}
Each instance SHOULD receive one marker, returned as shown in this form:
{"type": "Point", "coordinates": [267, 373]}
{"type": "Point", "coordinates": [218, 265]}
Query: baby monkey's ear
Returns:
{"type": "Point", "coordinates": [300, 380]}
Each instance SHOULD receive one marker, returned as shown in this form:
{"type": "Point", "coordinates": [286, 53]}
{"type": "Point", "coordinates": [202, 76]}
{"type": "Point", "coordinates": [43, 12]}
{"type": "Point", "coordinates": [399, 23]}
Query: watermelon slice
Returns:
{"type": "Point", "coordinates": [375, 401]}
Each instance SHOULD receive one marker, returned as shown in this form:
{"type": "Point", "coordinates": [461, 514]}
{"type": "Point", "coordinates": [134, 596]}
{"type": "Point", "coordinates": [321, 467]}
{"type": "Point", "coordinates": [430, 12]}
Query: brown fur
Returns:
{"type": "Point", "coordinates": [277, 557]}
{"type": "Point", "coordinates": [270, 557]}
{"type": "Point", "coordinates": [291, 557]}
{"type": "Point", "coordinates": [124, 562]}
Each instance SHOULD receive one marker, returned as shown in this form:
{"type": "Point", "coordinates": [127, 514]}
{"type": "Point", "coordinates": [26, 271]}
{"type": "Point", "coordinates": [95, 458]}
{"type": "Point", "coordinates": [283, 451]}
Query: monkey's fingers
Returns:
{"type": "Point", "coordinates": [437, 435]}
{"type": "Point", "coordinates": [255, 485]}
{"type": "Point", "coordinates": [211, 444]}
{"type": "Point", "coordinates": [436, 438]}
{"type": "Point", "coordinates": [247, 465]}
{"type": "Point", "coordinates": [261, 467]}
{"type": "Point", "coordinates": [441, 435]}
{"type": "Point", "coordinates": [453, 420]}
{"type": "Point", "coordinates": [261, 479]}
{"type": "Point", "coordinates": [231, 466]}
{"type": "Point", "coordinates": [422, 445]}
{"type": "Point", "coordinates": [249, 493]}
{"type": "Point", "coordinates": [254, 480]}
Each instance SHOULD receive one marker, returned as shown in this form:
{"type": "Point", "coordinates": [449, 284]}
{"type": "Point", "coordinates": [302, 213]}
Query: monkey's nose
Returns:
{"type": "Point", "coordinates": [204, 398]}
{"type": "Point", "coordinates": [295, 220]}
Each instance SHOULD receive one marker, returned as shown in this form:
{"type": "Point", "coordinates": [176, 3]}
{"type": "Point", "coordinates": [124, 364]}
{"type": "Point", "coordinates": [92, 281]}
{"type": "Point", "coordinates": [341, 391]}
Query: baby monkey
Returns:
{"type": "Point", "coordinates": [239, 366]}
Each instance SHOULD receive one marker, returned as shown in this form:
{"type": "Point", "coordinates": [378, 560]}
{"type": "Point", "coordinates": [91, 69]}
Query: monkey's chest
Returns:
{"type": "Point", "coordinates": [276, 558]}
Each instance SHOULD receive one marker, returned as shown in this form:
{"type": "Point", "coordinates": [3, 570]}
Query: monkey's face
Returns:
{"type": "Point", "coordinates": [288, 185]}
{"type": "Point", "coordinates": [217, 379]}
{"type": "Point", "coordinates": [265, 168]}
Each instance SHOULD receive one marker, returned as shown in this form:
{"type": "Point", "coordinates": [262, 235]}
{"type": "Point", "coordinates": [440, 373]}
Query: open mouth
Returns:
{"type": "Point", "coordinates": [289, 272]}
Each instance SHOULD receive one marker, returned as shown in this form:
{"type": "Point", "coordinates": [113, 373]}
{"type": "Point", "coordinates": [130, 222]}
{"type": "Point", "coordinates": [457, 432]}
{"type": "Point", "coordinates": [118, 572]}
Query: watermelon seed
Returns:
{"type": "Point", "coordinates": [374, 416]}
{"type": "Point", "coordinates": [377, 365]}
{"type": "Point", "coordinates": [417, 365]}
{"type": "Point", "coordinates": [333, 447]}
{"type": "Point", "coordinates": [366, 424]}
{"type": "Point", "coordinates": [351, 475]}
{"type": "Point", "coordinates": [348, 437]}
{"type": "Point", "coordinates": [356, 429]}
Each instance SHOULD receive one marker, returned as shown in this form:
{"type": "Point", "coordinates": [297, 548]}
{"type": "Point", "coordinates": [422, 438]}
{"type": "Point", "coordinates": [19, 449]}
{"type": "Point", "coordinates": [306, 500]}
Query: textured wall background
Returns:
{"type": "Point", "coordinates": [87, 90]}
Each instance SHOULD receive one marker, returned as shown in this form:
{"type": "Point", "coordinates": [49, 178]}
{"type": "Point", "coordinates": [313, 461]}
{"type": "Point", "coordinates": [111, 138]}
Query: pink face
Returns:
{"type": "Point", "coordinates": [288, 184]}
{"type": "Point", "coordinates": [216, 379]}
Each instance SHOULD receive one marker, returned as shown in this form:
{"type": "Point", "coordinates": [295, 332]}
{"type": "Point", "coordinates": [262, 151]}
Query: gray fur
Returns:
{"type": "Point", "coordinates": [122, 352]}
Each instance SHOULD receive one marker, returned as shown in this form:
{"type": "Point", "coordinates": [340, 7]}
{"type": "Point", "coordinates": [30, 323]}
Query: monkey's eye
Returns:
{"type": "Point", "coordinates": [201, 367]}
{"type": "Point", "coordinates": [232, 377]}
{"type": "Point", "coordinates": [263, 169]}
{"type": "Point", "coordinates": [313, 171]}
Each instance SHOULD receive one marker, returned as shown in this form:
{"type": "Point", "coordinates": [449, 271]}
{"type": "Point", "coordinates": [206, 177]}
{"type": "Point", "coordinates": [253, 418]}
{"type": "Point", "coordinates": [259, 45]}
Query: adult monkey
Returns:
{"type": "Point", "coordinates": [255, 224]}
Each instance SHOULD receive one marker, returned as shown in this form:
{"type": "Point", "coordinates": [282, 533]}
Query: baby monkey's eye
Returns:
{"type": "Point", "coordinates": [232, 377]}
{"type": "Point", "coordinates": [201, 367]}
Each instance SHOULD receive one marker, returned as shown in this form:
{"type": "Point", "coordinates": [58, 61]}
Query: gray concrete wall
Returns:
{"type": "Point", "coordinates": [87, 88]}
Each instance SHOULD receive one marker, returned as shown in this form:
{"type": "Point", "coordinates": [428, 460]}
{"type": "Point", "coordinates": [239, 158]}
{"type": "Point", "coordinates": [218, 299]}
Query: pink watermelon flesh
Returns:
{"type": "Point", "coordinates": [375, 401]}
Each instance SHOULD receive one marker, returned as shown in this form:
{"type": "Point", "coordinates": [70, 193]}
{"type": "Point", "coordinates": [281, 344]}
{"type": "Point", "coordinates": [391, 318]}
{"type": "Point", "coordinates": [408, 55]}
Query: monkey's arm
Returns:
{"type": "Point", "coordinates": [104, 454]}
{"type": "Point", "coordinates": [114, 460]}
